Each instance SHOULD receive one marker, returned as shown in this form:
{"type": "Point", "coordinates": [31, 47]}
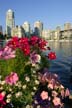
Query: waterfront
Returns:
{"type": "Point", "coordinates": [63, 64]}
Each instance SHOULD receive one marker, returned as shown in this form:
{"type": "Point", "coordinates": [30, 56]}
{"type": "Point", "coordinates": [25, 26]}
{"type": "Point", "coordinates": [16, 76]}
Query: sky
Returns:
{"type": "Point", "coordinates": [51, 12]}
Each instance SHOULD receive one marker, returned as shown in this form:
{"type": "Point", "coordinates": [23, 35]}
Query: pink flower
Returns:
{"type": "Point", "coordinates": [1, 53]}
{"type": "Point", "coordinates": [56, 101]}
{"type": "Point", "coordinates": [44, 95]}
{"type": "Point", "coordinates": [7, 53]}
{"type": "Point", "coordinates": [53, 82]}
{"type": "Point", "coordinates": [35, 58]}
{"type": "Point", "coordinates": [50, 86]}
{"type": "Point", "coordinates": [2, 101]}
{"type": "Point", "coordinates": [42, 77]}
{"type": "Point", "coordinates": [54, 93]}
{"type": "Point", "coordinates": [12, 78]}
{"type": "Point", "coordinates": [1, 96]}
{"type": "Point", "coordinates": [62, 93]}
{"type": "Point", "coordinates": [67, 92]}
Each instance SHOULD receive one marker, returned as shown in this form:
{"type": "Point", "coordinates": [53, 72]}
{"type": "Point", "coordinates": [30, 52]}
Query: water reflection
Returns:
{"type": "Point", "coordinates": [63, 64]}
{"type": "Point", "coordinates": [62, 49]}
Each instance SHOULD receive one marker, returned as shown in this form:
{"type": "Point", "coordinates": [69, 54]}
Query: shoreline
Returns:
{"type": "Point", "coordinates": [59, 40]}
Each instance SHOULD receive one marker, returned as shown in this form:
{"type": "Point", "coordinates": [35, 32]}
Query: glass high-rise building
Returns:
{"type": "Point", "coordinates": [10, 21]}
{"type": "Point", "coordinates": [26, 27]}
{"type": "Point", "coordinates": [38, 27]}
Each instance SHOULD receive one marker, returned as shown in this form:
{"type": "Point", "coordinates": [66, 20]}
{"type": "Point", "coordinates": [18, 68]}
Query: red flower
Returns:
{"type": "Point", "coordinates": [23, 40]}
{"type": "Point", "coordinates": [34, 40]}
{"type": "Point", "coordinates": [52, 55]}
{"type": "Point", "coordinates": [26, 49]}
{"type": "Point", "coordinates": [14, 42]}
{"type": "Point", "coordinates": [15, 38]}
{"type": "Point", "coordinates": [42, 44]}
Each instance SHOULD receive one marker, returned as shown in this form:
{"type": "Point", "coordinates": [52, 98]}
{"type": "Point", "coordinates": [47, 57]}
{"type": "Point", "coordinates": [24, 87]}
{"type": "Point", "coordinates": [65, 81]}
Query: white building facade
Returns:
{"type": "Point", "coordinates": [18, 31]}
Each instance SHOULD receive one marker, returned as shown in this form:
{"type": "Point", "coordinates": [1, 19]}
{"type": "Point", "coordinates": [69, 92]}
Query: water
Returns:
{"type": "Point", "coordinates": [63, 64]}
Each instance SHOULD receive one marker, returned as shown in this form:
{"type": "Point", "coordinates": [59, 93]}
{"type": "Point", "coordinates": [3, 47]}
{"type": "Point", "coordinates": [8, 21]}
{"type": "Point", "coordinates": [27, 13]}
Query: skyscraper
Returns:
{"type": "Point", "coordinates": [26, 27]}
{"type": "Point", "coordinates": [38, 27]}
{"type": "Point", "coordinates": [67, 26]}
{"type": "Point", "coordinates": [1, 30]}
{"type": "Point", "coordinates": [10, 21]}
{"type": "Point", "coordinates": [18, 31]}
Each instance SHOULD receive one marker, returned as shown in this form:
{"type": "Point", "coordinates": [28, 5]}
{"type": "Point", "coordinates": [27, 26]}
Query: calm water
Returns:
{"type": "Point", "coordinates": [63, 64]}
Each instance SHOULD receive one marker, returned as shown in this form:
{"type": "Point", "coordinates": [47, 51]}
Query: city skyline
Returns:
{"type": "Point", "coordinates": [49, 12]}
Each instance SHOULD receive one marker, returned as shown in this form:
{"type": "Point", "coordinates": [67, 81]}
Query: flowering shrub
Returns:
{"type": "Point", "coordinates": [25, 79]}
{"type": "Point", "coordinates": [51, 93]}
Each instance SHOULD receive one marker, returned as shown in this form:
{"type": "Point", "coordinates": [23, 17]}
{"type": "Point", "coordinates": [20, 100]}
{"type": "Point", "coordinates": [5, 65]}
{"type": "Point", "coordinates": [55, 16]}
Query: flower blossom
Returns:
{"type": "Point", "coordinates": [18, 94]}
{"type": "Point", "coordinates": [44, 95]}
{"type": "Point", "coordinates": [67, 92]}
{"type": "Point", "coordinates": [42, 44]}
{"type": "Point", "coordinates": [14, 42]}
{"type": "Point", "coordinates": [23, 41]}
{"type": "Point", "coordinates": [56, 101]}
{"type": "Point", "coordinates": [34, 40]}
{"type": "Point", "coordinates": [26, 49]}
{"type": "Point", "coordinates": [7, 53]}
{"type": "Point", "coordinates": [52, 55]}
{"type": "Point", "coordinates": [12, 78]}
{"type": "Point", "coordinates": [62, 93]}
{"type": "Point", "coordinates": [27, 78]}
{"type": "Point", "coordinates": [50, 86]}
{"type": "Point", "coordinates": [35, 58]}
{"type": "Point", "coordinates": [54, 93]}
{"type": "Point", "coordinates": [1, 53]}
{"type": "Point", "coordinates": [2, 102]}
{"type": "Point", "coordinates": [42, 77]}
{"type": "Point", "coordinates": [2, 96]}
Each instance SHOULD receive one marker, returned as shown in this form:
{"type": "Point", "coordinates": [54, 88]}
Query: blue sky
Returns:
{"type": "Point", "coordinates": [50, 12]}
